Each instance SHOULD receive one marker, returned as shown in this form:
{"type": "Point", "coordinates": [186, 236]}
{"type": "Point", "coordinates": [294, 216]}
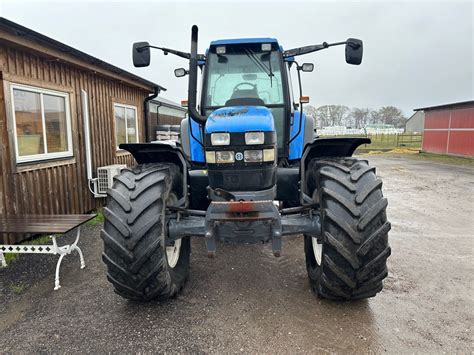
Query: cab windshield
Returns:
{"type": "Point", "coordinates": [243, 75]}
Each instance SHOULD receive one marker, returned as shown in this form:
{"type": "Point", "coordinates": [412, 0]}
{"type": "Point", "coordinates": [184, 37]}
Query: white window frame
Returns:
{"type": "Point", "coordinates": [46, 155]}
{"type": "Point", "coordinates": [134, 108]}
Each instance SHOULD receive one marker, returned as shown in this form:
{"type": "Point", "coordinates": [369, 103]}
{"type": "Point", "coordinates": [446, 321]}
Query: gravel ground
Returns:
{"type": "Point", "coordinates": [245, 300]}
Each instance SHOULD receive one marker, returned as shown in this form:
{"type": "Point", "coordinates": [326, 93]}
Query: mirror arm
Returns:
{"type": "Point", "coordinates": [310, 49]}
{"type": "Point", "coordinates": [173, 51]}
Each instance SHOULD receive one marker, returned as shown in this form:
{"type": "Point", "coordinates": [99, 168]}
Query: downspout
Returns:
{"type": "Point", "coordinates": [146, 104]}
{"type": "Point", "coordinates": [87, 135]}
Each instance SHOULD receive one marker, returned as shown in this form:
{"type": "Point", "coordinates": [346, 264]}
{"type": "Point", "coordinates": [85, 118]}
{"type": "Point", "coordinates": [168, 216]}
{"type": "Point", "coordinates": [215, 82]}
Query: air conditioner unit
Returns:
{"type": "Point", "coordinates": [105, 177]}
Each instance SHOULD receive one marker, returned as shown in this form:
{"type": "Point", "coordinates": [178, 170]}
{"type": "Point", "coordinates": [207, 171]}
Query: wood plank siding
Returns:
{"type": "Point", "coordinates": [60, 186]}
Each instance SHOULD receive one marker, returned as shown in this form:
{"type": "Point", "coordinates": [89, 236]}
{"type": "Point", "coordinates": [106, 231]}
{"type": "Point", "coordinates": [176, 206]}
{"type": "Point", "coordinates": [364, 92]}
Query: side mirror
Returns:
{"type": "Point", "coordinates": [354, 49]}
{"type": "Point", "coordinates": [180, 72]}
{"type": "Point", "coordinates": [307, 67]}
{"type": "Point", "coordinates": [141, 54]}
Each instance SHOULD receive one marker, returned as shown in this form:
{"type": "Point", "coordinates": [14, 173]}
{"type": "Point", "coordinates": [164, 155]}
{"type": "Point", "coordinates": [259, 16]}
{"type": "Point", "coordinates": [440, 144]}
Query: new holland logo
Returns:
{"type": "Point", "coordinates": [239, 156]}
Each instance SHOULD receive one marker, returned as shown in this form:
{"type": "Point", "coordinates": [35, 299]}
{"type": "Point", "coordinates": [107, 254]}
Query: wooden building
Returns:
{"type": "Point", "coordinates": [63, 114]}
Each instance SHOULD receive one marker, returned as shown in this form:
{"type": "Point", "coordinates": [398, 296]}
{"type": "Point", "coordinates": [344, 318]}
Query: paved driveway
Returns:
{"type": "Point", "coordinates": [245, 300]}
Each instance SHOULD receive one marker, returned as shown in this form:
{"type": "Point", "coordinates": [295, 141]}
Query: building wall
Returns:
{"type": "Point", "coordinates": [416, 123]}
{"type": "Point", "coordinates": [449, 131]}
{"type": "Point", "coordinates": [59, 186]}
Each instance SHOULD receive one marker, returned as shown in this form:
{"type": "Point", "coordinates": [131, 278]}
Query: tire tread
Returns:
{"type": "Point", "coordinates": [355, 229]}
{"type": "Point", "coordinates": [134, 248]}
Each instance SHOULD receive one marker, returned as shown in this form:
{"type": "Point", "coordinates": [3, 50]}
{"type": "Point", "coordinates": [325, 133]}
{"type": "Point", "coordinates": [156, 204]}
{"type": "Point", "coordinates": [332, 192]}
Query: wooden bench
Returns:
{"type": "Point", "coordinates": [52, 225]}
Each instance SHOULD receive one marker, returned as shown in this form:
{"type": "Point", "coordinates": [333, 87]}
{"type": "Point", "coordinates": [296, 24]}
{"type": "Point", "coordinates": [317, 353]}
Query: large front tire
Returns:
{"type": "Point", "coordinates": [141, 263]}
{"type": "Point", "coordinates": [351, 261]}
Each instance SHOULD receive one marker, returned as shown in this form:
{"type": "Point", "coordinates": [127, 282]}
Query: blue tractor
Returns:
{"type": "Point", "coordinates": [248, 168]}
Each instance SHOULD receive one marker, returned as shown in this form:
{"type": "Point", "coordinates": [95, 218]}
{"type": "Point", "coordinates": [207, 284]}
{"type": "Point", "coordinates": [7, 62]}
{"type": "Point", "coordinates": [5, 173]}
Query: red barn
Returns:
{"type": "Point", "coordinates": [449, 129]}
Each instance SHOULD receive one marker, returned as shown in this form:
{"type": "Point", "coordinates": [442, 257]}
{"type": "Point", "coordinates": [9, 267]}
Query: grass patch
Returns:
{"type": "Point", "coordinates": [99, 219]}
{"type": "Point", "coordinates": [18, 289]}
{"type": "Point", "coordinates": [443, 159]}
{"type": "Point", "coordinates": [386, 142]}
{"type": "Point", "coordinates": [423, 156]}
{"type": "Point", "coordinates": [9, 258]}
{"type": "Point", "coordinates": [392, 141]}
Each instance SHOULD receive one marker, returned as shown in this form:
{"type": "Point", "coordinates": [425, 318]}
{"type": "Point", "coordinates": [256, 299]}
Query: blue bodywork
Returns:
{"type": "Point", "coordinates": [297, 145]}
{"type": "Point", "coordinates": [197, 150]}
{"type": "Point", "coordinates": [240, 119]}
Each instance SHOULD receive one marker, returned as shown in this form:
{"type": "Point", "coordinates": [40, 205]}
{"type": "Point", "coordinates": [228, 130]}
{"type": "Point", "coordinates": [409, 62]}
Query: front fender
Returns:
{"type": "Point", "coordinates": [326, 147]}
{"type": "Point", "coordinates": [332, 147]}
{"type": "Point", "coordinates": [145, 153]}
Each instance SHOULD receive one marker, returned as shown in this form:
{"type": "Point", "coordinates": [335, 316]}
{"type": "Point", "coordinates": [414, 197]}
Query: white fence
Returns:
{"type": "Point", "coordinates": [343, 131]}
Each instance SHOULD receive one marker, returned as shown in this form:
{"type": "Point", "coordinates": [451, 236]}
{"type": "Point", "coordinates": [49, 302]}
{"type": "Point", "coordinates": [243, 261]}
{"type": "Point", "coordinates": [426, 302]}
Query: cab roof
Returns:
{"type": "Point", "coordinates": [222, 42]}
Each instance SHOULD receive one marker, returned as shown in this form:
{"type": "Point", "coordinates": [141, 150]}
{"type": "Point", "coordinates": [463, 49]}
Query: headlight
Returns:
{"type": "Point", "coordinates": [211, 157]}
{"type": "Point", "coordinates": [225, 157]}
{"type": "Point", "coordinates": [253, 156]}
{"type": "Point", "coordinates": [269, 154]}
{"type": "Point", "coordinates": [220, 138]}
{"type": "Point", "coordinates": [252, 138]}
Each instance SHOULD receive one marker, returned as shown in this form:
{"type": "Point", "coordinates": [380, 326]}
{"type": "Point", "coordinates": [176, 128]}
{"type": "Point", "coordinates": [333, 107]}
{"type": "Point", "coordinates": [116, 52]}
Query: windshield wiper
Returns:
{"type": "Point", "coordinates": [270, 67]}
{"type": "Point", "coordinates": [260, 63]}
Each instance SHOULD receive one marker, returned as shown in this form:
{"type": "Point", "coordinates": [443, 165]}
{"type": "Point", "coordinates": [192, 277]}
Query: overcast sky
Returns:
{"type": "Point", "coordinates": [415, 54]}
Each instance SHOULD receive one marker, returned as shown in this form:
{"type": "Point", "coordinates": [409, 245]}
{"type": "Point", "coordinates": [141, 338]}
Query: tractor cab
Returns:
{"type": "Point", "coordinates": [247, 72]}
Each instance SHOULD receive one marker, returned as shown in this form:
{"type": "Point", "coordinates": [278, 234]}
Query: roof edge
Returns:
{"type": "Point", "coordinates": [243, 41]}
{"type": "Point", "coordinates": [27, 33]}
{"type": "Point", "coordinates": [462, 103]}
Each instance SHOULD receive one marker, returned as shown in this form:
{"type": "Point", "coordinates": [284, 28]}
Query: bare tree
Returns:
{"type": "Point", "coordinates": [311, 111]}
{"type": "Point", "coordinates": [392, 115]}
{"type": "Point", "coordinates": [332, 115]}
{"type": "Point", "coordinates": [375, 117]}
{"type": "Point", "coordinates": [323, 116]}
{"type": "Point", "coordinates": [360, 116]}
{"type": "Point", "coordinates": [338, 115]}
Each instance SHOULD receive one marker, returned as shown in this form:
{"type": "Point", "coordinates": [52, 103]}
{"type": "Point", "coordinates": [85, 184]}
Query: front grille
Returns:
{"type": "Point", "coordinates": [244, 179]}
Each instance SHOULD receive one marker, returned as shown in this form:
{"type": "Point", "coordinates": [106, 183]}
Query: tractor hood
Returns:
{"type": "Point", "coordinates": [240, 119]}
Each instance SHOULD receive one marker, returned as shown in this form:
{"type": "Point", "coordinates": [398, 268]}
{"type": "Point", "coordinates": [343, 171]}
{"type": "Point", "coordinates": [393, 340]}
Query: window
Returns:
{"type": "Point", "coordinates": [125, 124]}
{"type": "Point", "coordinates": [42, 123]}
{"type": "Point", "coordinates": [243, 72]}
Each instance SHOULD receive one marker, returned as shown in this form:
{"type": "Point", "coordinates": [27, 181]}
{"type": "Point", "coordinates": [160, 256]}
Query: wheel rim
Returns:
{"type": "Point", "coordinates": [172, 253]}
{"type": "Point", "coordinates": [173, 249]}
{"type": "Point", "coordinates": [317, 250]}
{"type": "Point", "coordinates": [317, 247]}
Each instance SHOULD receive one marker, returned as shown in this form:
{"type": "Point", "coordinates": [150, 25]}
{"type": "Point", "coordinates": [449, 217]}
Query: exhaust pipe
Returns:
{"type": "Point", "coordinates": [192, 85]}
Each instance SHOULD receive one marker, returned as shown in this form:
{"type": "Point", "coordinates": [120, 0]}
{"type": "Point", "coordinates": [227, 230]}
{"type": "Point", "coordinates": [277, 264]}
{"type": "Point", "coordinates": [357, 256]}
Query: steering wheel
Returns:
{"type": "Point", "coordinates": [237, 87]}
